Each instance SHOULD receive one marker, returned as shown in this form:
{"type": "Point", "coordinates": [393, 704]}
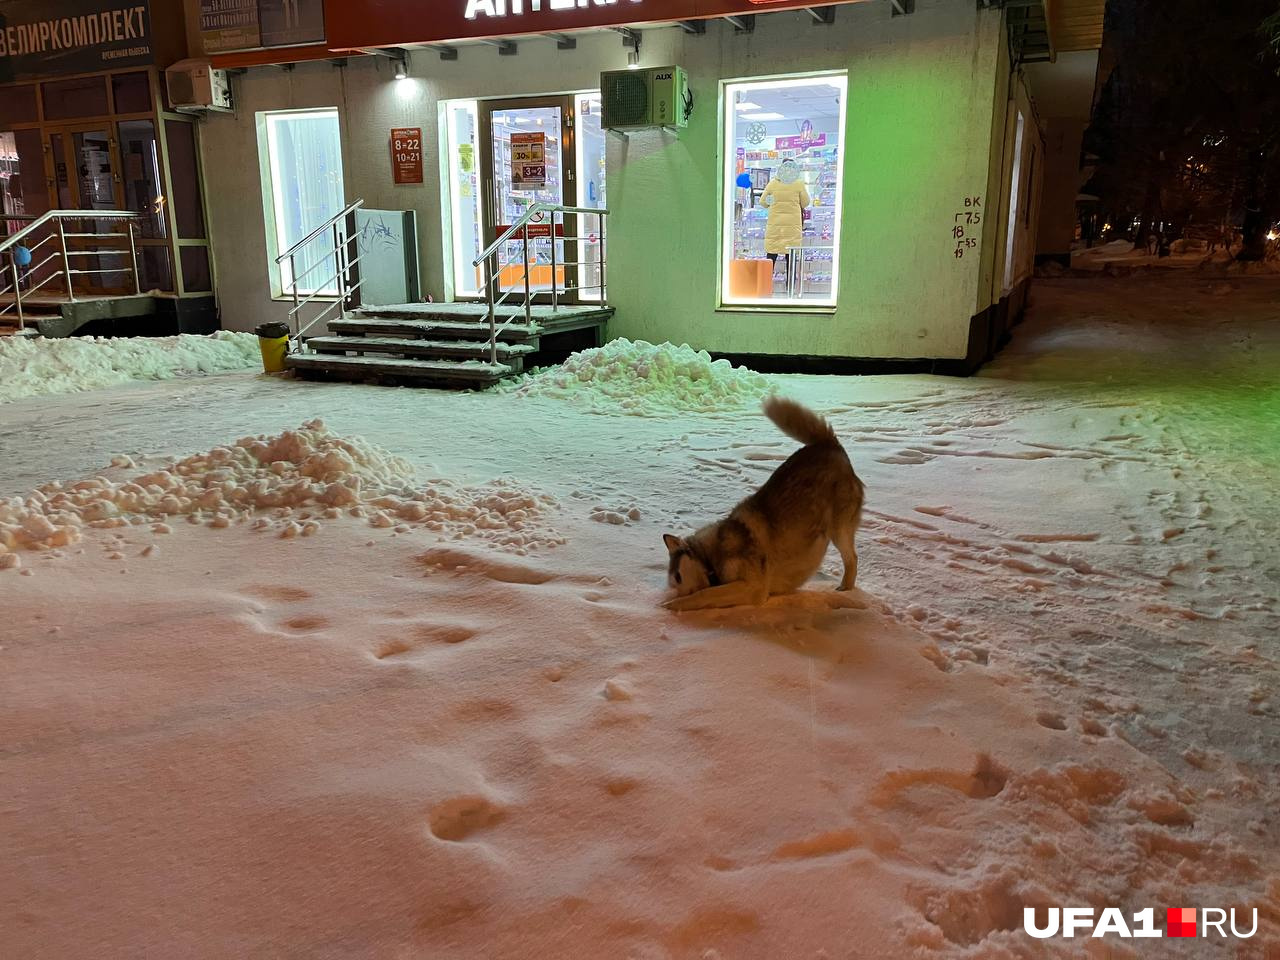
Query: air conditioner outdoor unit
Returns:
{"type": "Point", "coordinates": [196, 87]}
{"type": "Point", "coordinates": [637, 99]}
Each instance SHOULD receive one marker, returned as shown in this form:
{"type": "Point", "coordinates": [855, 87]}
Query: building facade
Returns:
{"type": "Point", "coordinates": [903, 139]}
{"type": "Point", "coordinates": [85, 124]}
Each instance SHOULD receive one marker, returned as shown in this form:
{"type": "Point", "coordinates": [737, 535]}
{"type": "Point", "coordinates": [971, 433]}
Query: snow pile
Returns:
{"type": "Point", "coordinates": [1229, 266]}
{"type": "Point", "coordinates": [637, 377]}
{"type": "Point", "coordinates": [286, 484]}
{"type": "Point", "coordinates": [31, 366]}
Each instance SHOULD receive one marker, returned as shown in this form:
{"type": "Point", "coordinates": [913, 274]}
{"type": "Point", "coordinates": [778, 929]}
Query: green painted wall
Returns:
{"type": "Point", "coordinates": [922, 93]}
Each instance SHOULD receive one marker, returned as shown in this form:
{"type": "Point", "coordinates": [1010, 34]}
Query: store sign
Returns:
{"type": "Point", "coordinates": [406, 154]}
{"type": "Point", "coordinates": [360, 24]}
{"type": "Point", "coordinates": [514, 8]}
{"type": "Point", "coordinates": [528, 161]}
{"type": "Point", "coordinates": [84, 37]}
{"type": "Point", "coordinates": [802, 142]}
{"type": "Point", "coordinates": [227, 25]}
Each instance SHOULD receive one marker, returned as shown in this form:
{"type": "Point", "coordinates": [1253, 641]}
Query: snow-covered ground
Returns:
{"type": "Point", "coordinates": [440, 731]}
{"type": "Point", "coordinates": [34, 366]}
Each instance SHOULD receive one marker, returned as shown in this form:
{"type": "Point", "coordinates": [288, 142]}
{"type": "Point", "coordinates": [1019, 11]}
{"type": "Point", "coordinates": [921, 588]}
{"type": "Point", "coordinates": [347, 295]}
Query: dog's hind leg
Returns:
{"type": "Point", "coordinates": [843, 539]}
{"type": "Point", "coordinates": [737, 594]}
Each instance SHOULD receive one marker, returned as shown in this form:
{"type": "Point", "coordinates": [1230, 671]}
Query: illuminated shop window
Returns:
{"type": "Point", "coordinates": [302, 188]}
{"type": "Point", "coordinates": [784, 156]}
{"type": "Point", "coordinates": [465, 224]}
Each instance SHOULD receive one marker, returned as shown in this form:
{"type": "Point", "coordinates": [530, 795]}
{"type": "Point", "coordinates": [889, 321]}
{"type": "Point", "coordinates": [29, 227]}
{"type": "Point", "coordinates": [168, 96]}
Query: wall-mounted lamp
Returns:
{"type": "Point", "coordinates": [631, 39]}
{"type": "Point", "coordinates": [402, 68]}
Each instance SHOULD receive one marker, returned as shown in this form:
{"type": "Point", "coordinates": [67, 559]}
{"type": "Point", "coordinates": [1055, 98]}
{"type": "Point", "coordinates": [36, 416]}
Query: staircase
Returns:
{"type": "Point", "coordinates": [439, 344]}
{"type": "Point", "coordinates": [47, 261]}
{"type": "Point", "coordinates": [470, 345]}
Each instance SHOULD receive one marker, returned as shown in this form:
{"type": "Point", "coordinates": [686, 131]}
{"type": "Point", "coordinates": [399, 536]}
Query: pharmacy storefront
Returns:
{"type": "Point", "coordinates": [841, 186]}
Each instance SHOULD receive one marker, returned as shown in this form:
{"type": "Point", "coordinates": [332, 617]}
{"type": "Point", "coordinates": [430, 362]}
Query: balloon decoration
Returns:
{"type": "Point", "coordinates": [22, 256]}
{"type": "Point", "coordinates": [744, 181]}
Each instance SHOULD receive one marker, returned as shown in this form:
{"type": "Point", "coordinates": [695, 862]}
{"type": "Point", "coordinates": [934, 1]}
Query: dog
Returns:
{"type": "Point", "coordinates": [775, 539]}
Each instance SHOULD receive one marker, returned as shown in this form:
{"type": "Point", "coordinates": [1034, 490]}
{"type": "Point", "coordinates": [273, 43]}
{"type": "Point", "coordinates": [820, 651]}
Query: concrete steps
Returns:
{"type": "Point", "coordinates": [509, 353]}
{"type": "Point", "coordinates": [438, 344]}
{"type": "Point", "coordinates": [467, 373]}
{"type": "Point", "coordinates": [433, 329]}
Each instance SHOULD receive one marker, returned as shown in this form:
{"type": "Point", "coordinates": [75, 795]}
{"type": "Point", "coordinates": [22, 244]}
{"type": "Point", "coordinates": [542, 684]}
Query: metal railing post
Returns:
{"type": "Point", "coordinates": [17, 290]}
{"type": "Point", "coordinates": [337, 256]}
{"type": "Point", "coordinates": [555, 292]}
{"type": "Point", "coordinates": [528, 297]}
{"type": "Point", "coordinates": [347, 261]}
{"type": "Point", "coordinates": [133, 260]}
{"type": "Point", "coordinates": [66, 263]}
{"type": "Point", "coordinates": [293, 283]}
{"type": "Point", "coordinates": [493, 327]}
{"type": "Point", "coordinates": [603, 257]}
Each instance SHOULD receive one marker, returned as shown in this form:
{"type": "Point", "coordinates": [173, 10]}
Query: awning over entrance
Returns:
{"type": "Point", "coordinates": [1076, 24]}
{"type": "Point", "coordinates": [1043, 29]}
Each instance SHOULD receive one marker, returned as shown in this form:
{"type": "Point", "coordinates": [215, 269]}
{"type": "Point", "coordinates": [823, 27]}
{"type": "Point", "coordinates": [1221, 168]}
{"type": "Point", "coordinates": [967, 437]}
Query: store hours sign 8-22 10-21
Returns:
{"type": "Point", "coordinates": [406, 154]}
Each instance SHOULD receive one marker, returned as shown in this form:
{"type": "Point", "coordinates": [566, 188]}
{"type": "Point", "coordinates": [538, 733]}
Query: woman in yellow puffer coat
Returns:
{"type": "Point", "coordinates": [786, 199]}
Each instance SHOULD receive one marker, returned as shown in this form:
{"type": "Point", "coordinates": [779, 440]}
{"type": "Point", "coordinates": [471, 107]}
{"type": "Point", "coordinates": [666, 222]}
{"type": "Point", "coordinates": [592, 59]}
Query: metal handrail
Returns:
{"type": "Point", "coordinates": [526, 218]}
{"type": "Point", "coordinates": [496, 298]}
{"type": "Point", "coordinates": [12, 241]}
{"type": "Point", "coordinates": [29, 274]}
{"type": "Point", "coordinates": [340, 250]}
{"type": "Point", "coordinates": [328, 224]}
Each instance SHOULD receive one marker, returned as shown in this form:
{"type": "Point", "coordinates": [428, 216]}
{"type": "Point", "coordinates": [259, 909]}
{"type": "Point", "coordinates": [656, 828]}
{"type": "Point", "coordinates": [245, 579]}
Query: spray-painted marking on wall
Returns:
{"type": "Point", "coordinates": [963, 224]}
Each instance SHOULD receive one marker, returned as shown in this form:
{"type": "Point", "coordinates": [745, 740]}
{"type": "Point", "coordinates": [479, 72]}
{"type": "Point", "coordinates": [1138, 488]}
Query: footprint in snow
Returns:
{"type": "Point", "coordinates": [459, 817]}
{"type": "Point", "coordinates": [307, 624]}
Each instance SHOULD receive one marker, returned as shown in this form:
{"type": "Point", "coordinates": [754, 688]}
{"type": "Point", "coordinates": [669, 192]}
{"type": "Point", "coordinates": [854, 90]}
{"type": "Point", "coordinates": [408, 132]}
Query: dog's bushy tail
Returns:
{"type": "Point", "coordinates": [798, 422]}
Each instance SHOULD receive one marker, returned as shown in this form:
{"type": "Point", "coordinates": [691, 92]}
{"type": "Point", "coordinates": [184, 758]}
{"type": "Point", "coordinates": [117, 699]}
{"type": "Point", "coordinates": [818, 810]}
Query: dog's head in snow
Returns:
{"type": "Point", "coordinates": [686, 571]}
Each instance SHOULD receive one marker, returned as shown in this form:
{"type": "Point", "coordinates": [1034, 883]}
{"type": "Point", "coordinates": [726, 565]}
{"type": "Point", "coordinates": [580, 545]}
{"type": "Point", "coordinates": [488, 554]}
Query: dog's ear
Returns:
{"type": "Point", "coordinates": [673, 542]}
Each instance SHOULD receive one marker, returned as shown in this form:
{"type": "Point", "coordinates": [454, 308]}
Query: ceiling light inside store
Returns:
{"type": "Point", "coordinates": [763, 116]}
{"type": "Point", "coordinates": [747, 105]}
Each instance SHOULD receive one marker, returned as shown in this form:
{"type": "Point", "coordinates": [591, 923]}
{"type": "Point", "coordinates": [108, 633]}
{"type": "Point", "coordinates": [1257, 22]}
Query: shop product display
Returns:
{"type": "Point", "coordinates": [816, 166]}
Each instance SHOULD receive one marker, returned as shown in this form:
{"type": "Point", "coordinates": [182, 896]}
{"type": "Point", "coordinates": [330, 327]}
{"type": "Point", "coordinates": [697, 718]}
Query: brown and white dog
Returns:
{"type": "Point", "coordinates": [775, 539]}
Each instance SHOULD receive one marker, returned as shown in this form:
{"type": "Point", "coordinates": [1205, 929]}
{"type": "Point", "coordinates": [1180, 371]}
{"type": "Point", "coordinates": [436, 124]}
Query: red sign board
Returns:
{"type": "Point", "coordinates": [535, 230]}
{"type": "Point", "coordinates": [406, 154]}
{"type": "Point", "coordinates": [356, 24]}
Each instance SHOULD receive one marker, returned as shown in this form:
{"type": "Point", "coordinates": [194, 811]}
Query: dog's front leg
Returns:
{"type": "Point", "coordinates": [736, 594]}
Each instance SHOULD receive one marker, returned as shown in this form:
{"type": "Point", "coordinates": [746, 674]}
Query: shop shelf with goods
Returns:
{"type": "Point", "coordinates": [819, 168]}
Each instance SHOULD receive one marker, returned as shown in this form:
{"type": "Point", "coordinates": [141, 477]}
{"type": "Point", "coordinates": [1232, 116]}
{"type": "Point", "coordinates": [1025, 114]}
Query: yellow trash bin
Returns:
{"type": "Point", "coordinates": [273, 342]}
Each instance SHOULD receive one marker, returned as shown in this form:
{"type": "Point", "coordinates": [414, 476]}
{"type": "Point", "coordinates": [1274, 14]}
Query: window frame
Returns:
{"type": "Point", "coordinates": [273, 202]}
{"type": "Point", "coordinates": [463, 271]}
{"type": "Point", "coordinates": [727, 185]}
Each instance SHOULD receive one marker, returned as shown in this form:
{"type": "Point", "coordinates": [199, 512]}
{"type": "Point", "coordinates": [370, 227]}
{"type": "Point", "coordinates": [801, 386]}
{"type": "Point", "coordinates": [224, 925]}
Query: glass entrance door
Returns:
{"type": "Point", "coordinates": [85, 171]}
{"type": "Point", "coordinates": [589, 165]}
{"type": "Point", "coordinates": [94, 168]}
{"type": "Point", "coordinates": [530, 161]}
{"type": "Point", "coordinates": [503, 156]}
